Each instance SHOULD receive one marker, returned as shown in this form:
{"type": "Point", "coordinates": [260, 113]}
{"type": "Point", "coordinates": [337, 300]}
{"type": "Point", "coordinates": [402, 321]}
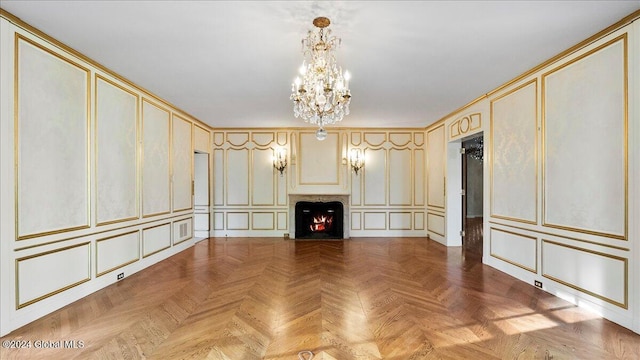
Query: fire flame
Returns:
{"type": "Point", "coordinates": [321, 223]}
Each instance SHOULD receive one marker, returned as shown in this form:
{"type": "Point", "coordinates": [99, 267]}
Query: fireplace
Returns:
{"type": "Point", "coordinates": [319, 220]}
{"type": "Point", "coordinates": [339, 222]}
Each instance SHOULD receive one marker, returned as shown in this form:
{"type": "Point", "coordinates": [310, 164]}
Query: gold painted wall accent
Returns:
{"type": "Point", "coordinates": [116, 152]}
{"type": "Point", "coordinates": [42, 275]}
{"type": "Point", "coordinates": [394, 184]}
{"type": "Point", "coordinates": [571, 91]}
{"type": "Point", "coordinates": [375, 139]}
{"type": "Point", "coordinates": [156, 160]}
{"type": "Point", "coordinates": [237, 176]}
{"type": "Point", "coordinates": [577, 268]}
{"type": "Point", "coordinates": [245, 180]}
{"type": "Point", "coordinates": [435, 223]}
{"type": "Point", "coordinates": [263, 138]}
{"type": "Point", "coordinates": [182, 230]}
{"type": "Point", "coordinates": [201, 139]}
{"type": "Point", "coordinates": [116, 251]}
{"type": "Point", "coordinates": [319, 162]}
{"type": "Point", "coordinates": [436, 165]}
{"type": "Point", "coordinates": [181, 164]}
{"type": "Point", "coordinates": [51, 139]}
{"type": "Point", "coordinates": [263, 179]}
{"type": "Point", "coordinates": [218, 138]}
{"type": "Point", "coordinates": [514, 248]}
{"type": "Point", "coordinates": [91, 160]}
{"type": "Point", "coordinates": [466, 125]}
{"type": "Point", "coordinates": [155, 239]}
{"type": "Point", "coordinates": [400, 139]}
{"type": "Point", "coordinates": [513, 162]}
{"type": "Point", "coordinates": [238, 139]}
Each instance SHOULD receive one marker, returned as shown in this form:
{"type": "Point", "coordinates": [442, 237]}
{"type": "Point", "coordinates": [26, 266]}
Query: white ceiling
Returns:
{"type": "Point", "coordinates": [231, 64]}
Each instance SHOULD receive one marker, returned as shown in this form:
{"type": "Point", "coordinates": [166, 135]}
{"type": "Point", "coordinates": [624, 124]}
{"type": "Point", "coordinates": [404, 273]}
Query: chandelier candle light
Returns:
{"type": "Point", "coordinates": [321, 93]}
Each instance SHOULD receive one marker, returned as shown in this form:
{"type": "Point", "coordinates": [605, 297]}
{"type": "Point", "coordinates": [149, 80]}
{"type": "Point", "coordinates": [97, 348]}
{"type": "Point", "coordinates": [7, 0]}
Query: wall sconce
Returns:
{"type": "Point", "coordinates": [356, 159]}
{"type": "Point", "coordinates": [280, 160]}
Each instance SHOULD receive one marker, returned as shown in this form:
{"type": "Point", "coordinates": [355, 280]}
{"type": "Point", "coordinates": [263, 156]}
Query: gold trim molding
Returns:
{"type": "Point", "coordinates": [464, 125]}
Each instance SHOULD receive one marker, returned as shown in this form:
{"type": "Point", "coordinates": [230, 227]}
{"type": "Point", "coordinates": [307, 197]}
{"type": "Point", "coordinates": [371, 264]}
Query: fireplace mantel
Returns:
{"type": "Point", "coordinates": [341, 197]}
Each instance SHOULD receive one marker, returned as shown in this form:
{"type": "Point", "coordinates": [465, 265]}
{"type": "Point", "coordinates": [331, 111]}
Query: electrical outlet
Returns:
{"type": "Point", "coordinates": [120, 276]}
{"type": "Point", "coordinates": [537, 283]}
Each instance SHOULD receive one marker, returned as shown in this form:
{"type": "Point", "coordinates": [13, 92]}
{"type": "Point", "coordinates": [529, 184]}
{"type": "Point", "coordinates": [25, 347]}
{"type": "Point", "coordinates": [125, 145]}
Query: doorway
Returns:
{"type": "Point", "coordinates": [472, 199]}
{"type": "Point", "coordinates": [201, 210]}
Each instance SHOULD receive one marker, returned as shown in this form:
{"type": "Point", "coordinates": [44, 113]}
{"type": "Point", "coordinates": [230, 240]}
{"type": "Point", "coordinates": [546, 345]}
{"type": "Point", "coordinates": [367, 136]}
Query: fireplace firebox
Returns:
{"type": "Point", "coordinates": [319, 220]}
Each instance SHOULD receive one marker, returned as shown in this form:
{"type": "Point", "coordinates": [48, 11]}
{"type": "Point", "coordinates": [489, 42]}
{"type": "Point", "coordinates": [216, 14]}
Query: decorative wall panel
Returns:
{"type": "Point", "coordinates": [400, 139]}
{"type": "Point", "coordinates": [182, 230]}
{"type": "Point", "coordinates": [263, 220]}
{"type": "Point", "coordinates": [52, 134]}
{"type": "Point", "coordinates": [182, 164]}
{"type": "Point", "coordinates": [418, 177]}
{"type": "Point", "coordinates": [356, 220]}
{"type": "Point", "coordinates": [281, 138]}
{"type": "Point", "coordinates": [237, 221]}
{"type": "Point", "coordinates": [263, 138]}
{"type": "Point", "coordinates": [597, 274]}
{"type": "Point", "coordinates": [319, 161]}
{"type": "Point", "coordinates": [400, 221]}
{"type": "Point", "coordinates": [436, 167]}
{"type": "Point", "coordinates": [375, 177]}
{"type": "Point", "coordinates": [42, 275]}
{"type": "Point", "coordinates": [218, 221]}
{"type": "Point", "coordinates": [400, 185]}
{"type": "Point", "coordinates": [218, 177]}
{"type": "Point", "coordinates": [156, 188]}
{"type": "Point", "coordinates": [218, 138]}
{"type": "Point", "coordinates": [262, 183]}
{"type": "Point", "coordinates": [116, 152]}
{"type": "Point", "coordinates": [201, 222]}
{"type": "Point", "coordinates": [516, 249]}
{"type": "Point", "coordinates": [201, 139]}
{"type": "Point", "coordinates": [356, 138]}
{"type": "Point", "coordinates": [418, 138]}
{"type": "Point", "coordinates": [237, 171]}
{"type": "Point", "coordinates": [238, 139]}
{"type": "Point", "coordinates": [513, 160]}
{"type": "Point", "coordinates": [435, 223]}
{"type": "Point", "coordinates": [375, 139]}
{"type": "Point", "coordinates": [282, 184]}
{"type": "Point", "coordinates": [282, 220]}
{"type": "Point", "coordinates": [356, 188]}
{"type": "Point", "coordinates": [585, 107]}
{"type": "Point", "coordinates": [117, 251]}
{"type": "Point", "coordinates": [375, 221]}
{"type": "Point", "coordinates": [201, 185]}
{"type": "Point", "coordinates": [156, 239]}
{"type": "Point", "coordinates": [418, 220]}
{"type": "Point", "coordinates": [465, 126]}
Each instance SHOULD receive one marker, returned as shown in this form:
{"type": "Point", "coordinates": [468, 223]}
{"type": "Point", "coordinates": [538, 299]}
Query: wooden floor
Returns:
{"type": "Point", "coordinates": [473, 239]}
{"type": "Point", "coordinates": [366, 298]}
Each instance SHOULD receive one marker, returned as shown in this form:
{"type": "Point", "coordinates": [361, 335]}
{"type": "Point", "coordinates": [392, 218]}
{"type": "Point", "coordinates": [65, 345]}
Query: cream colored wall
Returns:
{"type": "Point", "coordinates": [387, 195]}
{"type": "Point", "coordinates": [561, 167]}
{"type": "Point", "coordinates": [559, 178]}
{"type": "Point", "coordinates": [96, 176]}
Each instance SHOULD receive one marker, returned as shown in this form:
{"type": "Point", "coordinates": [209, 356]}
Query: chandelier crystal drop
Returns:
{"type": "Point", "coordinates": [321, 94]}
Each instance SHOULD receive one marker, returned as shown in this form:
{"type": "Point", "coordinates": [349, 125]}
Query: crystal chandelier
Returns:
{"type": "Point", "coordinates": [475, 148]}
{"type": "Point", "coordinates": [321, 93]}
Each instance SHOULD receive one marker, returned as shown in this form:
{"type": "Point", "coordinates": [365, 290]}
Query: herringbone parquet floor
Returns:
{"type": "Point", "coordinates": [373, 298]}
